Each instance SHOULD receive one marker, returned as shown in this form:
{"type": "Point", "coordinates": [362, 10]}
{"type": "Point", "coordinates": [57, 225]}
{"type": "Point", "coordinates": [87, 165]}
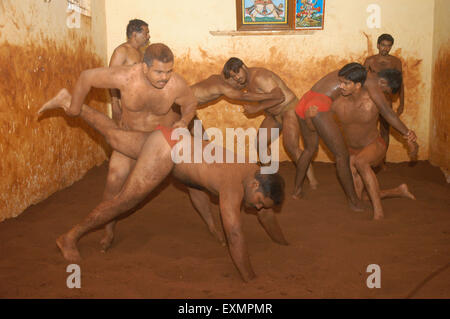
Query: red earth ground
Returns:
{"type": "Point", "coordinates": [164, 250]}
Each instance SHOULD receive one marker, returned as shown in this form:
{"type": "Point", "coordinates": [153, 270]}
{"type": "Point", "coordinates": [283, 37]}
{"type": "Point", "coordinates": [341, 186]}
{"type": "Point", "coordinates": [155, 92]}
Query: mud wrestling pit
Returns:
{"type": "Point", "coordinates": [164, 249]}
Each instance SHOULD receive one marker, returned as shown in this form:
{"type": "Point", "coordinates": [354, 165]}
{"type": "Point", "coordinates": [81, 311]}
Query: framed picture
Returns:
{"type": "Point", "coordinates": [309, 14]}
{"type": "Point", "coordinates": [264, 14]}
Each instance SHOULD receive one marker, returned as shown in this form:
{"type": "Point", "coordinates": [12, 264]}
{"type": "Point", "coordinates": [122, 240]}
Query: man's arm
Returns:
{"type": "Point", "coordinates": [118, 58]}
{"type": "Point", "coordinates": [402, 93]}
{"type": "Point", "coordinates": [187, 102]}
{"type": "Point", "coordinates": [232, 93]}
{"type": "Point", "coordinates": [389, 115]}
{"type": "Point", "coordinates": [103, 78]}
{"type": "Point", "coordinates": [230, 209]}
{"type": "Point", "coordinates": [265, 83]}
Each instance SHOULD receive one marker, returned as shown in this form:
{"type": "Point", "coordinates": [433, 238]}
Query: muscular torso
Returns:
{"type": "Point", "coordinates": [143, 106]}
{"type": "Point", "coordinates": [358, 116]}
{"type": "Point", "coordinates": [261, 80]}
{"type": "Point", "coordinates": [376, 63]}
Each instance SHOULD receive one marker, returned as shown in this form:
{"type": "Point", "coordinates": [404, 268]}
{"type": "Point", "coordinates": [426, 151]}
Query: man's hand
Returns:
{"type": "Point", "coordinates": [312, 111]}
{"type": "Point", "coordinates": [410, 136]}
{"type": "Point", "coordinates": [180, 123]}
{"type": "Point", "coordinates": [413, 147]}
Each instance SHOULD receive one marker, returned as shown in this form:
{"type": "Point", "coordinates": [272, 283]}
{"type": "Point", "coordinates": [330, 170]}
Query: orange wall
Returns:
{"type": "Point", "coordinates": [299, 59]}
{"type": "Point", "coordinates": [39, 55]}
{"type": "Point", "coordinates": [440, 111]}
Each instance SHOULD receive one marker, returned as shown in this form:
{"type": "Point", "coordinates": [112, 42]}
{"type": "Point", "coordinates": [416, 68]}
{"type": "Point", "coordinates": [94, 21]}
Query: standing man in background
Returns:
{"type": "Point", "coordinates": [128, 53]}
{"type": "Point", "coordinates": [382, 61]}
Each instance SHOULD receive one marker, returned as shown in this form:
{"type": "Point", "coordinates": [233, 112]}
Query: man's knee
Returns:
{"type": "Point", "coordinates": [361, 165]}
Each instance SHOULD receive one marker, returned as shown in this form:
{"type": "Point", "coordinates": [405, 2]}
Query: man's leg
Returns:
{"type": "Point", "coordinates": [126, 142]}
{"type": "Point", "coordinates": [291, 137]}
{"type": "Point", "coordinates": [202, 204]}
{"type": "Point", "coordinates": [152, 166]}
{"type": "Point", "coordinates": [310, 142]}
{"type": "Point", "coordinates": [329, 131]}
{"type": "Point", "coordinates": [357, 181]}
{"type": "Point", "coordinates": [119, 168]}
{"type": "Point", "coordinates": [268, 123]}
{"type": "Point", "coordinates": [370, 156]}
{"type": "Point", "coordinates": [399, 191]}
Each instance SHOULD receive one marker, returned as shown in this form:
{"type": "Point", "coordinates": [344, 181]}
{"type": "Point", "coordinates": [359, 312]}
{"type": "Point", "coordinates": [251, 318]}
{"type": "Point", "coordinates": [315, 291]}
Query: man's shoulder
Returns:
{"type": "Point", "coordinates": [395, 60]}
{"type": "Point", "coordinates": [370, 59]}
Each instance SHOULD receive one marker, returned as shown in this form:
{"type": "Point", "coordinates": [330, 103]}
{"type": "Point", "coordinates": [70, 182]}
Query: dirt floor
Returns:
{"type": "Point", "coordinates": [165, 251]}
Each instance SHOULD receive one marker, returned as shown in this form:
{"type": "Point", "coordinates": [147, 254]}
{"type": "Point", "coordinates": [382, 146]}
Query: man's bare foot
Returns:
{"type": "Point", "coordinates": [298, 194]}
{"type": "Point", "coordinates": [60, 100]}
{"type": "Point", "coordinates": [378, 216]}
{"type": "Point", "coordinates": [106, 242]}
{"type": "Point", "coordinates": [405, 192]}
{"type": "Point", "coordinates": [313, 184]}
{"type": "Point", "coordinates": [68, 248]}
{"type": "Point", "coordinates": [356, 207]}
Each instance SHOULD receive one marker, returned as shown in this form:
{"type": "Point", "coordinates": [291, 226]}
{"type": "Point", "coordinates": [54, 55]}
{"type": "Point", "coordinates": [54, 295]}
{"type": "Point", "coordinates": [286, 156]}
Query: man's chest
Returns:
{"type": "Point", "coordinates": [141, 99]}
{"type": "Point", "coordinates": [359, 112]}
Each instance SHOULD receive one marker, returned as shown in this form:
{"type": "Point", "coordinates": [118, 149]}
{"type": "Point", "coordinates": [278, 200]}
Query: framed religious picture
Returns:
{"type": "Point", "coordinates": [309, 14]}
{"type": "Point", "coordinates": [264, 14]}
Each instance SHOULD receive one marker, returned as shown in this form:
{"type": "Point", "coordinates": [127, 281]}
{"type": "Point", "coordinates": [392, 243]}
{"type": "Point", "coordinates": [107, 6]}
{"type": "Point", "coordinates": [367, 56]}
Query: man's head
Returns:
{"type": "Point", "coordinates": [352, 77]}
{"type": "Point", "coordinates": [390, 80]}
{"type": "Point", "coordinates": [384, 44]}
{"type": "Point", "coordinates": [264, 190]}
{"type": "Point", "coordinates": [159, 61]}
{"type": "Point", "coordinates": [138, 31]}
{"type": "Point", "coordinates": [235, 69]}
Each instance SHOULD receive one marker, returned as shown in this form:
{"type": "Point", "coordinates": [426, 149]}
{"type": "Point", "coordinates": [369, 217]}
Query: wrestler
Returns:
{"type": "Point", "coordinates": [382, 61]}
{"type": "Point", "coordinates": [216, 86]}
{"type": "Point", "coordinates": [234, 184]}
{"type": "Point", "coordinates": [148, 90]}
{"type": "Point", "coordinates": [322, 95]}
{"type": "Point", "coordinates": [128, 53]}
{"type": "Point", "coordinates": [359, 114]}
{"type": "Point", "coordinates": [278, 113]}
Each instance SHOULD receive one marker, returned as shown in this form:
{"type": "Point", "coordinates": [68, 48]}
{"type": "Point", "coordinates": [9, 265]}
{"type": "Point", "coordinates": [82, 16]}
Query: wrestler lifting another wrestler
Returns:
{"type": "Point", "coordinates": [233, 183]}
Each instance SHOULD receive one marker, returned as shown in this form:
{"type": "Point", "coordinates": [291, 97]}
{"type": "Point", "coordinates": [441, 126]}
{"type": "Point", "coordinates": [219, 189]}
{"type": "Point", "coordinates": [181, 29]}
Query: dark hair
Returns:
{"type": "Point", "coordinates": [135, 26]}
{"type": "Point", "coordinates": [385, 37]}
{"type": "Point", "coordinates": [394, 78]}
{"type": "Point", "coordinates": [233, 64]}
{"type": "Point", "coordinates": [272, 186]}
{"type": "Point", "coordinates": [158, 51]}
{"type": "Point", "coordinates": [354, 72]}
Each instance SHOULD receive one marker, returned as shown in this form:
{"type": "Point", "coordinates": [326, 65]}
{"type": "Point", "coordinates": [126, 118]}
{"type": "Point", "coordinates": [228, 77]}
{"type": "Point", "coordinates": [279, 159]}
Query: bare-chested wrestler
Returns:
{"type": "Point", "coordinates": [234, 184]}
{"type": "Point", "coordinates": [358, 114]}
{"type": "Point", "coordinates": [148, 90]}
{"type": "Point", "coordinates": [381, 61]}
{"type": "Point", "coordinates": [279, 113]}
{"type": "Point", "coordinates": [128, 53]}
{"type": "Point", "coordinates": [216, 86]}
{"type": "Point", "coordinates": [322, 95]}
